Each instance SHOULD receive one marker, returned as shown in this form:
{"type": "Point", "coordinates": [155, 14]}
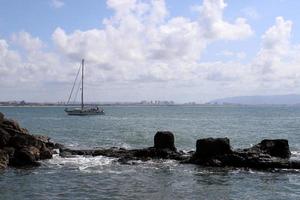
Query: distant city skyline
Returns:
{"type": "Point", "coordinates": [181, 51]}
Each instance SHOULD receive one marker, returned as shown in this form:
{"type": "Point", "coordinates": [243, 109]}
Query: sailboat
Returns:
{"type": "Point", "coordinates": [83, 110]}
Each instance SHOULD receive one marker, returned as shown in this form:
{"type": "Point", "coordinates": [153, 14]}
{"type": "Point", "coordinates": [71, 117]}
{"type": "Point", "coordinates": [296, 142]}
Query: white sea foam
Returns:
{"type": "Point", "coordinates": [125, 145]}
{"type": "Point", "coordinates": [74, 144]}
{"type": "Point", "coordinates": [295, 155]}
{"type": "Point", "coordinates": [82, 163]}
{"type": "Point", "coordinates": [156, 164]}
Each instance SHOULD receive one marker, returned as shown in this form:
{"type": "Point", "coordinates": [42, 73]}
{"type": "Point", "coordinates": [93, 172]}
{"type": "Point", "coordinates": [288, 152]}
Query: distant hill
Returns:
{"type": "Point", "coordinates": [290, 99]}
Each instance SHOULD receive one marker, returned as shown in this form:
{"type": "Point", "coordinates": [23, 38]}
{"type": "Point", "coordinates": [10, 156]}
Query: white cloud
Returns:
{"type": "Point", "coordinates": [142, 48]}
{"type": "Point", "coordinates": [34, 65]}
{"type": "Point", "coordinates": [57, 3]}
{"type": "Point", "coordinates": [10, 62]}
{"type": "Point", "coordinates": [275, 45]}
{"type": "Point", "coordinates": [142, 41]}
{"type": "Point", "coordinates": [215, 27]}
{"type": "Point", "coordinates": [26, 41]}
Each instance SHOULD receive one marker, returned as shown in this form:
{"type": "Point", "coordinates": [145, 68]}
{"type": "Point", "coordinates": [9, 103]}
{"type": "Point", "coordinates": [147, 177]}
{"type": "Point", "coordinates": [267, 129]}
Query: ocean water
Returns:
{"type": "Point", "coordinates": [134, 127]}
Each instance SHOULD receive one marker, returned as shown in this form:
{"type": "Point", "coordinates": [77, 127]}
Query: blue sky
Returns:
{"type": "Point", "coordinates": [40, 18]}
{"type": "Point", "coordinates": [188, 50]}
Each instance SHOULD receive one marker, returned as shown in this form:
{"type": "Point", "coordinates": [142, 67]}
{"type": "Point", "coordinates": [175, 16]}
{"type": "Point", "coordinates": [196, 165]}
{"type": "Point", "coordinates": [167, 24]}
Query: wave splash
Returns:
{"type": "Point", "coordinates": [295, 155]}
{"type": "Point", "coordinates": [82, 163]}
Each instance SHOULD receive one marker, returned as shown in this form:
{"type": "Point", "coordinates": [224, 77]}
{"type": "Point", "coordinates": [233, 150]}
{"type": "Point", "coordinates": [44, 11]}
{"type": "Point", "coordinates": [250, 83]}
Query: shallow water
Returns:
{"type": "Point", "coordinates": [134, 127]}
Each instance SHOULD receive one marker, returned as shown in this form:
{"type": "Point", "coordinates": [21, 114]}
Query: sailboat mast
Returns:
{"type": "Point", "coordinates": [82, 68]}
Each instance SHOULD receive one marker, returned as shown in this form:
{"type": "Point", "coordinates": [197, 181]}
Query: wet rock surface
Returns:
{"type": "Point", "coordinates": [267, 154]}
{"type": "Point", "coordinates": [209, 147]}
{"type": "Point", "coordinates": [18, 148]}
{"type": "Point", "coordinates": [4, 159]}
{"type": "Point", "coordinates": [164, 148]}
{"type": "Point", "coordinates": [164, 140]}
{"type": "Point", "coordinates": [213, 152]}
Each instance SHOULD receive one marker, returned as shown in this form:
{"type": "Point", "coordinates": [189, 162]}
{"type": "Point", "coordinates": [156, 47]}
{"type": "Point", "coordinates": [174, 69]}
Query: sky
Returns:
{"type": "Point", "coordinates": [185, 51]}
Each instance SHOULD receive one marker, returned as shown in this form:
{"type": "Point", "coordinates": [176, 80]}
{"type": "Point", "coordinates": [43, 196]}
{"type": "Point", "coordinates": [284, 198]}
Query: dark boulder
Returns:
{"type": "Point", "coordinates": [27, 156]}
{"type": "Point", "coordinates": [20, 147]}
{"type": "Point", "coordinates": [294, 164]}
{"type": "Point", "coordinates": [45, 153]}
{"type": "Point", "coordinates": [164, 140]}
{"type": "Point", "coordinates": [1, 117]}
{"type": "Point", "coordinates": [4, 159]}
{"type": "Point", "coordinates": [22, 140]}
{"type": "Point", "coordinates": [4, 138]}
{"type": "Point", "coordinates": [56, 146]}
{"type": "Point", "coordinates": [268, 154]}
{"type": "Point", "coordinates": [277, 148]}
{"type": "Point", "coordinates": [209, 147]}
{"type": "Point", "coordinates": [9, 150]}
{"type": "Point", "coordinates": [12, 127]}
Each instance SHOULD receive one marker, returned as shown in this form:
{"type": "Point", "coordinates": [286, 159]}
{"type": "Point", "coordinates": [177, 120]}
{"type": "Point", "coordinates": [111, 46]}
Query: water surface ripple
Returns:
{"type": "Point", "coordinates": [134, 127]}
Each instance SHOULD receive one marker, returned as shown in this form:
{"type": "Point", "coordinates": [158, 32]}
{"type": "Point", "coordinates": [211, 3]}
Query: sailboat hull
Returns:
{"type": "Point", "coordinates": [84, 112]}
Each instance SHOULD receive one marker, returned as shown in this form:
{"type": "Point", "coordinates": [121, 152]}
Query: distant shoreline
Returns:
{"type": "Point", "coordinates": [153, 105]}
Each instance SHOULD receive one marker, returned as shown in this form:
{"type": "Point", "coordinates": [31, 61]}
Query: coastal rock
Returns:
{"type": "Point", "coordinates": [4, 137]}
{"type": "Point", "coordinates": [164, 148]}
{"type": "Point", "coordinates": [213, 152]}
{"type": "Point", "coordinates": [209, 147]}
{"type": "Point", "coordinates": [4, 159]}
{"type": "Point", "coordinates": [125, 155]}
{"type": "Point", "coordinates": [294, 164]}
{"type": "Point", "coordinates": [18, 148]}
{"type": "Point", "coordinates": [21, 140]}
{"type": "Point", "coordinates": [27, 156]}
{"type": "Point", "coordinates": [10, 151]}
{"type": "Point", "coordinates": [164, 140]}
{"type": "Point", "coordinates": [277, 148]}
{"type": "Point", "coordinates": [21, 148]}
{"type": "Point", "coordinates": [45, 153]}
{"type": "Point", "coordinates": [1, 117]}
{"type": "Point", "coordinates": [268, 154]}
{"type": "Point", "coordinates": [12, 127]}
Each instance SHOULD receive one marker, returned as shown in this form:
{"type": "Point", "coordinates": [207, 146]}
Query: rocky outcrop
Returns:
{"type": "Point", "coordinates": [213, 152]}
{"type": "Point", "coordinates": [164, 148]}
{"type": "Point", "coordinates": [276, 148]}
{"type": "Point", "coordinates": [267, 154]}
{"type": "Point", "coordinates": [164, 140]}
{"type": "Point", "coordinates": [209, 147]}
{"type": "Point", "coordinates": [4, 159]}
{"type": "Point", "coordinates": [18, 148]}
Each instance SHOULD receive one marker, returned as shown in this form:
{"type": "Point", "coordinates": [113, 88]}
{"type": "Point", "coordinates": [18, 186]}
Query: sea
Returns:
{"type": "Point", "coordinates": [134, 127]}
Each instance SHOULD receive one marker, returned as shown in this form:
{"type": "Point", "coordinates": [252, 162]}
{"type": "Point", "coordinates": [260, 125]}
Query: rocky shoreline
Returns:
{"type": "Point", "coordinates": [18, 148]}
